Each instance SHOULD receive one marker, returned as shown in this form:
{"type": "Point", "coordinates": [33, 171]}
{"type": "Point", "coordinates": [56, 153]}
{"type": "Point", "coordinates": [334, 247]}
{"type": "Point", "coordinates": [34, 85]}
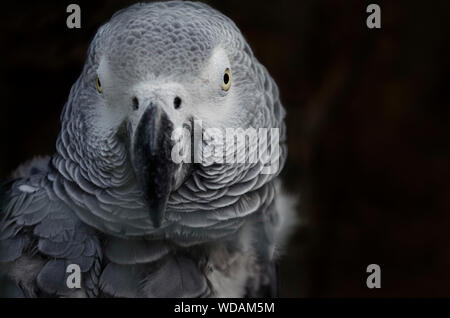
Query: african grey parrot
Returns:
{"type": "Point", "coordinates": [112, 201]}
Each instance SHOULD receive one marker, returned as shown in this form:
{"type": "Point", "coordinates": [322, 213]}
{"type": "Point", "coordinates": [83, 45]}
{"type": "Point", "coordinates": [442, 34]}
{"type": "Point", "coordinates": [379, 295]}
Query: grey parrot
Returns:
{"type": "Point", "coordinates": [112, 200]}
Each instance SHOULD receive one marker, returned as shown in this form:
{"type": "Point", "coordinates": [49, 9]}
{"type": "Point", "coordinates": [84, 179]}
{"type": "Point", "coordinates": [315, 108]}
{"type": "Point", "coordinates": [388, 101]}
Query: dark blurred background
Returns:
{"type": "Point", "coordinates": [368, 119]}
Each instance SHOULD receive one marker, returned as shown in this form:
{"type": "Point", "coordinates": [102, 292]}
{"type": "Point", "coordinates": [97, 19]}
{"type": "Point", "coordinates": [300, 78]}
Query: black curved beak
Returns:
{"type": "Point", "coordinates": [155, 170]}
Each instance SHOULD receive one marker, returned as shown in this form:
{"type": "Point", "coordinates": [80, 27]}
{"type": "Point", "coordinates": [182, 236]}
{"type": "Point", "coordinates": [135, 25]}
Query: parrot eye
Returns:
{"type": "Point", "coordinates": [98, 84]}
{"type": "Point", "coordinates": [226, 84]}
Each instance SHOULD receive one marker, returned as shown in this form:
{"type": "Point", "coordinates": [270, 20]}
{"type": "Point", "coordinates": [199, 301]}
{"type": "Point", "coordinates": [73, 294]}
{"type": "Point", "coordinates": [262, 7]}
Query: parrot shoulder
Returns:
{"type": "Point", "coordinates": [40, 237]}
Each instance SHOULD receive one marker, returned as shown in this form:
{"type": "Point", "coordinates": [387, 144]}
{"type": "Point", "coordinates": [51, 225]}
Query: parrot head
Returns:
{"type": "Point", "coordinates": [152, 69]}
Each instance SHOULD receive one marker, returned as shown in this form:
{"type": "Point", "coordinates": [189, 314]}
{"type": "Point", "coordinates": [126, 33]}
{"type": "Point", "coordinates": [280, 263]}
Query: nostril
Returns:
{"type": "Point", "coordinates": [135, 103]}
{"type": "Point", "coordinates": [177, 102]}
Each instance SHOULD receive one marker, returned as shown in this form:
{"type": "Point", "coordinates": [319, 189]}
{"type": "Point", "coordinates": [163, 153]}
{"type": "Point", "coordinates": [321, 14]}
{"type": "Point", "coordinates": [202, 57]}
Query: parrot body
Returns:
{"type": "Point", "coordinates": [111, 200]}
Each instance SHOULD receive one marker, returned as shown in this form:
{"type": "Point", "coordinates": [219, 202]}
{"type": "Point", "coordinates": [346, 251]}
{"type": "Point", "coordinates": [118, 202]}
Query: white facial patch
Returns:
{"type": "Point", "coordinates": [215, 68]}
{"type": "Point", "coordinates": [114, 96]}
{"type": "Point", "coordinates": [211, 103]}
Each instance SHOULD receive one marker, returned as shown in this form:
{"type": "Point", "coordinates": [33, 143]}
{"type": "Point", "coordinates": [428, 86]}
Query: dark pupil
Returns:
{"type": "Point", "coordinates": [98, 81]}
{"type": "Point", "coordinates": [226, 78]}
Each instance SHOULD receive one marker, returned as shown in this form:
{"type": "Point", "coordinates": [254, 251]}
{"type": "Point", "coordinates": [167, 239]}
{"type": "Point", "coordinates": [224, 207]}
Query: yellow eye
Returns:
{"type": "Point", "coordinates": [98, 84]}
{"type": "Point", "coordinates": [226, 83]}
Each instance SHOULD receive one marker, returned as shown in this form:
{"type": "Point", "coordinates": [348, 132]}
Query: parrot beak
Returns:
{"type": "Point", "coordinates": [155, 170]}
